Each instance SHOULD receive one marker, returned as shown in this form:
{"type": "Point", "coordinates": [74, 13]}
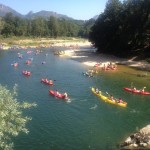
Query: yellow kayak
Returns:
{"type": "Point", "coordinates": [107, 99]}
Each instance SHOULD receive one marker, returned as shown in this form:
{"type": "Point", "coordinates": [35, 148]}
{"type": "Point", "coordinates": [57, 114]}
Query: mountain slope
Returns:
{"type": "Point", "coordinates": [5, 9]}
{"type": "Point", "coordinates": [45, 14]}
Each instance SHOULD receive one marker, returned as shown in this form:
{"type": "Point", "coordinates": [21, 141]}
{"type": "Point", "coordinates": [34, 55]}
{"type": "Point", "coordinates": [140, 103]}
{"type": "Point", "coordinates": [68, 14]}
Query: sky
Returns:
{"type": "Point", "coordinates": [76, 9]}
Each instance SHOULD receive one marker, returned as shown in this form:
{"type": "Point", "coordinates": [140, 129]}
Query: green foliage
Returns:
{"type": "Point", "coordinates": [1, 24]}
{"type": "Point", "coordinates": [53, 27]}
{"type": "Point", "coordinates": [40, 27]}
{"type": "Point", "coordinates": [12, 121]}
{"type": "Point", "coordinates": [86, 29]}
{"type": "Point", "coordinates": [123, 29]}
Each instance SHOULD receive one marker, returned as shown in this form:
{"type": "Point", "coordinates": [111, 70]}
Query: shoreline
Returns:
{"type": "Point", "coordinates": [43, 43]}
{"type": "Point", "coordinates": [90, 57]}
{"type": "Point", "coordinates": [79, 50]}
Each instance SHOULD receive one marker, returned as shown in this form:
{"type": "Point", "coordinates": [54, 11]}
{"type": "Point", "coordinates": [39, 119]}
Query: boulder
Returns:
{"type": "Point", "coordinates": [138, 140]}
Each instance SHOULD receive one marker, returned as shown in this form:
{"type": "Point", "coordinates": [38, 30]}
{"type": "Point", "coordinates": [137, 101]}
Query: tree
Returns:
{"type": "Point", "coordinates": [123, 29]}
{"type": "Point", "coordinates": [39, 27]}
{"type": "Point", "coordinates": [12, 121]}
{"type": "Point", "coordinates": [9, 26]}
{"type": "Point", "coordinates": [104, 33]}
{"type": "Point", "coordinates": [53, 26]}
{"type": "Point", "coordinates": [87, 28]}
{"type": "Point", "coordinates": [1, 24]}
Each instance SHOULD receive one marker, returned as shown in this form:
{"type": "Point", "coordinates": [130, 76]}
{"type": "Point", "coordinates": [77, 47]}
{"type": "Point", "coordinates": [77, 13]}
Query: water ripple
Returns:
{"type": "Point", "coordinates": [94, 107]}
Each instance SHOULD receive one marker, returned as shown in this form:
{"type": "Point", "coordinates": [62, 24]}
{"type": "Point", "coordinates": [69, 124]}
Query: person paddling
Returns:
{"type": "Point", "coordinates": [134, 89]}
{"type": "Point", "coordinates": [120, 100]}
{"type": "Point", "coordinates": [66, 95]}
{"type": "Point", "coordinates": [143, 89]}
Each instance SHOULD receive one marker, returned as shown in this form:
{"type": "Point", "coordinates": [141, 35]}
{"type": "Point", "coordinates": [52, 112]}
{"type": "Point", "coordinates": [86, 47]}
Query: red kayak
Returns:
{"type": "Point", "coordinates": [27, 73]}
{"type": "Point", "coordinates": [28, 62]}
{"type": "Point", "coordinates": [136, 91]}
{"type": "Point", "coordinates": [46, 81]}
{"type": "Point", "coordinates": [15, 64]}
{"type": "Point", "coordinates": [57, 95]}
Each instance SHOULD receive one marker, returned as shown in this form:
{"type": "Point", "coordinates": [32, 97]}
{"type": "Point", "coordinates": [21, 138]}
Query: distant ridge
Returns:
{"type": "Point", "coordinates": [45, 14]}
{"type": "Point", "coordinates": [5, 9]}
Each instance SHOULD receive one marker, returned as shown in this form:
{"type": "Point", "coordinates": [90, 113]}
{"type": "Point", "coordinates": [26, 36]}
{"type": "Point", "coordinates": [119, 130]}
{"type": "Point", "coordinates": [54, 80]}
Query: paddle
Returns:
{"type": "Point", "coordinates": [131, 84]}
{"type": "Point", "coordinates": [107, 93]}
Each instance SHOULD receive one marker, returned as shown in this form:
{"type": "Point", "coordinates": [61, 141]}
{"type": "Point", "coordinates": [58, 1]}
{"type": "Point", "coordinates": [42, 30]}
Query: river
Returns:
{"type": "Point", "coordinates": [87, 122]}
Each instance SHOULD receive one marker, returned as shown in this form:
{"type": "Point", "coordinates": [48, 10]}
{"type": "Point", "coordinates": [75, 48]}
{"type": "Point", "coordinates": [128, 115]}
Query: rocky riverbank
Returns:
{"type": "Point", "coordinates": [90, 58]}
{"type": "Point", "coordinates": [137, 141]}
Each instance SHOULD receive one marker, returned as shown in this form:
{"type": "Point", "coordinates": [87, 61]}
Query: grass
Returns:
{"type": "Point", "coordinates": [30, 41]}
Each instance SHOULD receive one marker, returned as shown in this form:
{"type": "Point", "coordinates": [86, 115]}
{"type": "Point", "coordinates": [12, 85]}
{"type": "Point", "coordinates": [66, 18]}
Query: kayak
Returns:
{"type": "Point", "coordinates": [88, 74]}
{"type": "Point", "coordinates": [107, 99]}
{"type": "Point", "coordinates": [55, 94]}
{"type": "Point", "coordinates": [29, 52]}
{"type": "Point", "coordinates": [15, 64]}
{"type": "Point", "coordinates": [49, 82]}
{"type": "Point", "coordinates": [27, 73]}
{"type": "Point", "coordinates": [28, 62]}
{"type": "Point", "coordinates": [136, 91]}
{"type": "Point", "coordinates": [59, 53]}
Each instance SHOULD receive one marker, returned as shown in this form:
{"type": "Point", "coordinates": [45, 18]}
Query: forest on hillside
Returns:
{"type": "Point", "coordinates": [52, 27]}
{"type": "Point", "coordinates": [123, 29]}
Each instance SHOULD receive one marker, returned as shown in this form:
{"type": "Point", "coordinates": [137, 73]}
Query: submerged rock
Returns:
{"type": "Point", "coordinates": [139, 140]}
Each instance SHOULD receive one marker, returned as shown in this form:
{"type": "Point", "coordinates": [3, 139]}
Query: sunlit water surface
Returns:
{"type": "Point", "coordinates": [87, 122]}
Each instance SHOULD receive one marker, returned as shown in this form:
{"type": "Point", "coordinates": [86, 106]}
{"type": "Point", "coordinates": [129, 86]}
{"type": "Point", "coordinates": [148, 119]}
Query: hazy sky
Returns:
{"type": "Point", "coordinates": [77, 9]}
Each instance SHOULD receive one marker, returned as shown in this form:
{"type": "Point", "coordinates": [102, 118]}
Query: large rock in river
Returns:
{"type": "Point", "coordinates": [139, 140]}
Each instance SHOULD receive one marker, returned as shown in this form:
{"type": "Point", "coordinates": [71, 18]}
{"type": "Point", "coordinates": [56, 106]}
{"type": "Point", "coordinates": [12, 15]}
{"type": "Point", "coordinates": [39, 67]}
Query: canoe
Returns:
{"type": "Point", "coordinates": [107, 99]}
{"type": "Point", "coordinates": [49, 82]}
{"type": "Point", "coordinates": [136, 91]}
{"type": "Point", "coordinates": [55, 94]}
{"type": "Point", "coordinates": [27, 73]}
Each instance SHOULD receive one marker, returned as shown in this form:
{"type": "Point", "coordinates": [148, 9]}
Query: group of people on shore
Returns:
{"type": "Point", "coordinates": [106, 66]}
{"type": "Point", "coordinates": [109, 66]}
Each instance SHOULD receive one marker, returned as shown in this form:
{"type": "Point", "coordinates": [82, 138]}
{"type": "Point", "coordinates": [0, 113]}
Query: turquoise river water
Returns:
{"type": "Point", "coordinates": [87, 122]}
